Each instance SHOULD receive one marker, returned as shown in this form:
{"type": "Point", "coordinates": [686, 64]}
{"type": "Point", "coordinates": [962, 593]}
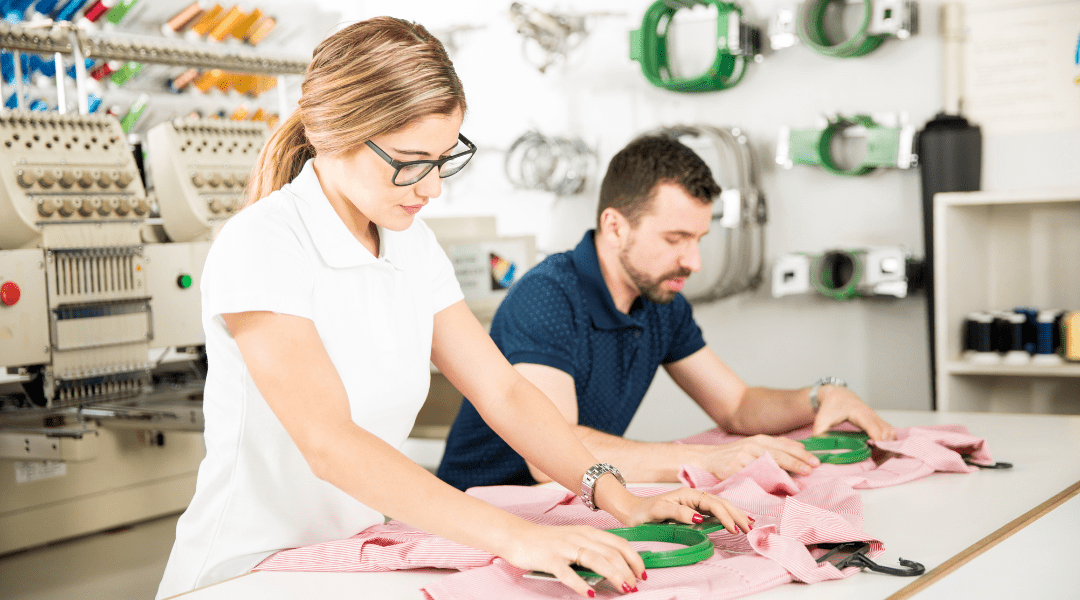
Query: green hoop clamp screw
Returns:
{"type": "Point", "coordinates": [736, 44]}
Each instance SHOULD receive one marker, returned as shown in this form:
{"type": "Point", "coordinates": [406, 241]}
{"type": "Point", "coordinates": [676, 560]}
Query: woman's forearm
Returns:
{"type": "Point", "coordinates": [376, 474]}
{"type": "Point", "coordinates": [549, 442]}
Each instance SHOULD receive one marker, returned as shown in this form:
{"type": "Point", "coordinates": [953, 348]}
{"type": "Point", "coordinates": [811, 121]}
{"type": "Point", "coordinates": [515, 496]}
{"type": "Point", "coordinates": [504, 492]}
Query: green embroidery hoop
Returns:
{"type": "Point", "coordinates": [813, 146]}
{"type": "Point", "coordinates": [694, 537]}
{"type": "Point", "coordinates": [649, 46]}
{"type": "Point", "coordinates": [821, 272]}
{"type": "Point", "coordinates": [825, 446]}
{"type": "Point", "coordinates": [812, 31]}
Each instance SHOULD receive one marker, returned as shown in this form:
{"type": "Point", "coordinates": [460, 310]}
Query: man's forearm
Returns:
{"type": "Point", "coordinates": [769, 411]}
{"type": "Point", "coordinates": [638, 461]}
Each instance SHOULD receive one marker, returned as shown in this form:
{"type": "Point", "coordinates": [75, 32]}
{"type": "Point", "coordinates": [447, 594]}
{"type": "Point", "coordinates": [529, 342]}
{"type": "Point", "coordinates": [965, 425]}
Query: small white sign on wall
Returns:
{"type": "Point", "coordinates": [1022, 63]}
{"type": "Point", "coordinates": [486, 269]}
{"type": "Point", "coordinates": [27, 470]}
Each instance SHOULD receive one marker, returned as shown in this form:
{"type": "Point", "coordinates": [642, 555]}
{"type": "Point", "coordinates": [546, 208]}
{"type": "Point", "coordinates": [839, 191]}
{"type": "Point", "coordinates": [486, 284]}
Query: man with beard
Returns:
{"type": "Point", "coordinates": [590, 327]}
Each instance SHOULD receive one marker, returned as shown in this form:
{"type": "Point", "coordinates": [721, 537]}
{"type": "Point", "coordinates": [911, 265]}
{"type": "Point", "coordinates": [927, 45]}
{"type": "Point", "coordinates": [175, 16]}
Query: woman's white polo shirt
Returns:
{"type": "Point", "coordinates": [290, 253]}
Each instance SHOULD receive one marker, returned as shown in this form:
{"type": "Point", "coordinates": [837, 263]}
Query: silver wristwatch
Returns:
{"type": "Point", "coordinates": [588, 482]}
{"type": "Point", "coordinates": [827, 380]}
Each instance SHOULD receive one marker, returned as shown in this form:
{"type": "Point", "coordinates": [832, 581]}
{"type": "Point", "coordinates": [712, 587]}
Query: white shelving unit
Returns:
{"type": "Point", "coordinates": [1002, 250]}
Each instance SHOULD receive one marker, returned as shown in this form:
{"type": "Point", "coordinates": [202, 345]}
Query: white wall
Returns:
{"type": "Point", "coordinates": [880, 345]}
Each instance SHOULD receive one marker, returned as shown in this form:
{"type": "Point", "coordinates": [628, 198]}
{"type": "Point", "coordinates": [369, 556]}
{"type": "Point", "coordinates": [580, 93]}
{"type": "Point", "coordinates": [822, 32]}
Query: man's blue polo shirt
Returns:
{"type": "Point", "coordinates": [561, 314]}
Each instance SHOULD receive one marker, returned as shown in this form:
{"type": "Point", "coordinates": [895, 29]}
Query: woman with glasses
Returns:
{"type": "Point", "coordinates": [324, 300]}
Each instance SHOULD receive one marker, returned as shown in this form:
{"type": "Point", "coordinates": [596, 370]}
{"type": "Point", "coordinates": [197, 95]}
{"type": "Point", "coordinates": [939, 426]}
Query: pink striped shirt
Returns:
{"type": "Point", "coordinates": [791, 514]}
{"type": "Point", "coordinates": [787, 521]}
{"type": "Point", "coordinates": [915, 453]}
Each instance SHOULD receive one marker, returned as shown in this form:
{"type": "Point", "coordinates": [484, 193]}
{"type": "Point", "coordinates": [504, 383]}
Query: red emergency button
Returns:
{"type": "Point", "coordinates": [10, 293]}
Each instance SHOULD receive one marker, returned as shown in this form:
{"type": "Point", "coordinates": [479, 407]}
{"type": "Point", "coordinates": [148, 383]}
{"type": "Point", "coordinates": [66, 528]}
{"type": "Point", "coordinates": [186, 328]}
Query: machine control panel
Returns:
{"type": "Point", "coordinates": [200, 169]}
{"type": "Point", "coordinates": [63, 169]}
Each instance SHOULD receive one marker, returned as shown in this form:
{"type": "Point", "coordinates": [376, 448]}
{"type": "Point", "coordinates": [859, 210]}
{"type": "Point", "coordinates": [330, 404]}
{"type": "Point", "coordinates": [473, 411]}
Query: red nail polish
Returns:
{"type": "Point", "coordinates": [749, 518]}
{"type": "Point", "coordinates": [592, 594]}
{"type": "Point", "coordinates": [626, 588]}
{"type": "Point", "coordinates": [644, 576]}
{"type": "Point", "coordinates": [698, 519]}
{"type": "Point", "coordinates": [633, 589]}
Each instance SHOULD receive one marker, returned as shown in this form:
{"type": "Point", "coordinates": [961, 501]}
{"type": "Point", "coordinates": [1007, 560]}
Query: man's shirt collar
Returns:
{"type": "Point", "coordinates": [597, 295]}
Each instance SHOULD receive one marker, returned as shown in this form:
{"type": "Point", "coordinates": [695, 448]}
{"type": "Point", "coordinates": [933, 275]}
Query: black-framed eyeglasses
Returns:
{"type": "Point", "coordinates": [409, 172]}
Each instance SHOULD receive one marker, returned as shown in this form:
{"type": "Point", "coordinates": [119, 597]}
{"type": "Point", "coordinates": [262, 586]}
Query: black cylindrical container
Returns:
{"type": "Point", "coordinates": [950, 160]}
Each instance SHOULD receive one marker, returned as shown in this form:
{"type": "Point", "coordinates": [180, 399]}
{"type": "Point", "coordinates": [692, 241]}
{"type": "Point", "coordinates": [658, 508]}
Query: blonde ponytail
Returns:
{"type": "Point", "coordinates": [280, 160]}
{"type": "Point", "coordinates": [371, 78]}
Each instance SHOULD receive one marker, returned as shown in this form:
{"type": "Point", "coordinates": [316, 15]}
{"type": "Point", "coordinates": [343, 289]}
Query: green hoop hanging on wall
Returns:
{"type": "Point", "coordinates": [885, 146]}
{"type": "Point", "coordinates": [737, 43]}
{"type": "Point", "coordinates": [837, 273]}
{"type": "Point", "coordinates": [880, 19]}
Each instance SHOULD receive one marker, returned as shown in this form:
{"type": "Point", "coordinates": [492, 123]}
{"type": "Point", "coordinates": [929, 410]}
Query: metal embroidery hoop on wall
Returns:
{"type": "Point", "coordinates": [549, 164]}
{"type": "Point", "coordinates": [741, 212]}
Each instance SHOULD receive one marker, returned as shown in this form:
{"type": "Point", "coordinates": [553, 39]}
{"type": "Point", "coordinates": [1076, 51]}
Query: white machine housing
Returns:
{"type": "Point", "coordinates": [84, 306]}
{"type": "Point", "coordinates": [64, 169]}
{"type": "Point", "coordinates": [200, 168]}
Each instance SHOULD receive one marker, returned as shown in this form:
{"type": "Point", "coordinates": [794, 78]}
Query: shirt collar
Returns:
{"type": "Point", "coordinates": [597, 296]}
{"type": "Point", "coordinates": [337, 245]}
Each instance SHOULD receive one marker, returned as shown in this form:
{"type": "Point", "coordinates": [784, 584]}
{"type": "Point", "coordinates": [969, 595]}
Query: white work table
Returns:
{"type": "Point", "coordinates": [1037, 561]}
{"type": "Point", "coordinates": [939, 521]}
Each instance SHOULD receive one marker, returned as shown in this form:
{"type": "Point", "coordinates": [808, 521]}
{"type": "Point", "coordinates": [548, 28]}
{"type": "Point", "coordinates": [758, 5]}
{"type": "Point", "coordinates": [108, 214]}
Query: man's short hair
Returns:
{"type": "Point", "coordinates": [635, 172]}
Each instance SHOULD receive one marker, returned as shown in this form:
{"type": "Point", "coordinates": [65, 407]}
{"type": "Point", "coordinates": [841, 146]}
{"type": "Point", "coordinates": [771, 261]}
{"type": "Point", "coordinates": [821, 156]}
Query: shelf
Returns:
{"type": "Point", "coordinates": [998, 251]}
{"type": "Point", "coordinates": [58, 38]}
{"type": "Point", "coordinates": [1031, 370]}
{"type": "Point", "coordinates": [1006, 197]}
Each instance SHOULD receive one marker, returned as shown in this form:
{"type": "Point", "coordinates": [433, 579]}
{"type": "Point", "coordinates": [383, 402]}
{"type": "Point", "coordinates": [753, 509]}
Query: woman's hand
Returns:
{"type": "Point", "coordinates": [554, 549]}
{"type": "Point", "coordinates": [688, 505]}
{"type": "Point", "coordinates": [685, 505]}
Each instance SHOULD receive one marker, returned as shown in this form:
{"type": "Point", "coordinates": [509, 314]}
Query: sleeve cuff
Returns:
{"type": "Point", "coordinates": [447, 299]}
{"type": "Point", "coordinates": [542, 359]}
{"type": "Point", "coordinates": [298, 309]}
{"type": "Point", "coordinates": [677, 354]}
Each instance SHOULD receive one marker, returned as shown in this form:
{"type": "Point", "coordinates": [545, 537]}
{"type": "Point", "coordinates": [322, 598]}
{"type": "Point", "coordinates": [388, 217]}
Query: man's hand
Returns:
{"type": "Point", "coordinates": [727, 459]}
{"type": "Point", "coordinates": [839, 404]}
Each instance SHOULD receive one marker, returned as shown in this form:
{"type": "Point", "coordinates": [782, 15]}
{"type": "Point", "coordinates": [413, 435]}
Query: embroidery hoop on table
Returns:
{"type": "Point", "coordinates": [694, 537]}
{"type": "Point", "coordinates": [824, 447]}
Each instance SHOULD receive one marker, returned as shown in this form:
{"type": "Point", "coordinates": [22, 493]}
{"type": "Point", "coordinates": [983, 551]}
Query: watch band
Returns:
{"type": "Point", "coordinates": [815, 403]}
{"type": "Point", "coordinates": [588, 482]}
